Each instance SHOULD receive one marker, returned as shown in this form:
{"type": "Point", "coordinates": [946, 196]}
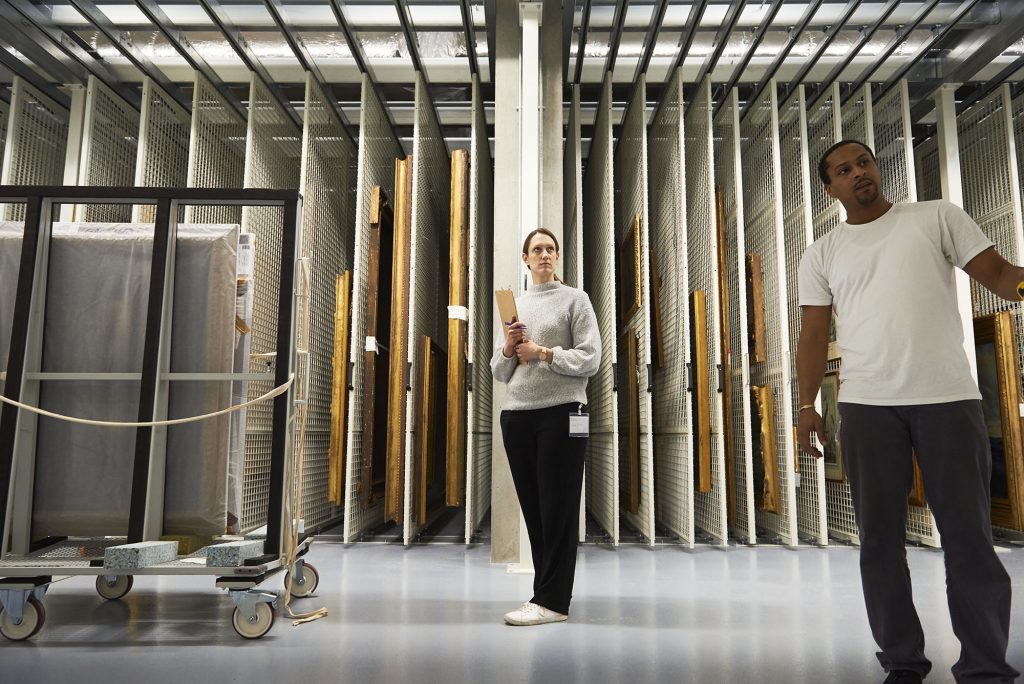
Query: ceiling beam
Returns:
{"type": "Point", "coordinates": [986, 88]}
{"type": "Point", "coordinates": [759, 33]}
{"type": "Point", "coordinates": [962, 61]}
{"type": "Point", "coordinates": [184, 47]}
{"type": "Point", "coordinates": [491, 20]}
{"type": "Point", "coordinates": [467, 26]}
{"type": "Point", "coordinates": [891, 47]}
{"type": "Point", "coordinates": [693, 19]}
{"type": "Point", "coordinates": [354, 46]}
{"type": "Point", "coordinates": [402, 6]}
{"type": "Point", "coordinates": [830, 35]}
{"type": "Point", "coordinates": [52, 36]}
{"type": "Point", "coordinates": [616, 36]}
{"type": "Point", "coordinates": [651, 38]}
{"type": "Point", "coordinates": [238, 43]}
{"type": "Point", "coordinates": [122, 41]}
{"type": "Point", "coordinates": [773, 68]}
{"type": "Point", "coordinates": [581, 47]}
{"type": "Point", "coordinates": [732, 15]}
{"type": "Point", "coordinates": [35, 45]}
{"type": "Point", "coordinates": [26, 73]}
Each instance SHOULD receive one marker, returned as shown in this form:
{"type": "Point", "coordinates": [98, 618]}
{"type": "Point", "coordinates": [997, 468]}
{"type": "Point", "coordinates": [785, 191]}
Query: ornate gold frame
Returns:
{"type": "Point", "coordinates": [767, 499]}
{"type": "Point", "coordinates": [755, 310]}
{"type": "Point", "coordinates": [458, 333]}
{"type": "Point", "coordinates": [722, 248]}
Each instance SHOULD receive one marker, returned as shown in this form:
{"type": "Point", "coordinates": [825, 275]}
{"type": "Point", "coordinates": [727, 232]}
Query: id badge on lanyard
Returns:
{"type": "Point", "coordinates": [579, 423]}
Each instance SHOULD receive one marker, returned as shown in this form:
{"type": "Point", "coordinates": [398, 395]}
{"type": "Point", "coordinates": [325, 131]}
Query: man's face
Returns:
{"type": "Point", "coordinates": [855, 179]}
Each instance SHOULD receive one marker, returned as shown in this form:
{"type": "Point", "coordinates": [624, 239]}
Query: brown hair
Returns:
{"type": "Point", "coordinates": [541, 231]}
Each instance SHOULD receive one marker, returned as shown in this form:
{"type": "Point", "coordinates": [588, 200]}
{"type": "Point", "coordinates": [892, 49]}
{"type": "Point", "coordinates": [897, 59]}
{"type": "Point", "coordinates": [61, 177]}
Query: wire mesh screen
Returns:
{"type": "Point", "coordinates": [824, 129]}
{"type": "Point", "coordinates": [163, 146]}
{"type": "Point", "coordinates": [428, 277]}
{"type": "Point", "coordinates": [762, 209]}
{"type": "Point", "coordinates": [812, 523]}
{"type": "Point", "coordinates": [893, 145]}
{"type": "Point", "coordinates": [36, 140]}
{"type": "Point", "coordinates": [481, 332]}
{"type": "Point", "coordinates": [378, 149]}
{"type": "Point", "coordinates": [926, 163]}
{"type": "Point", "coordinates": [108, 149]}
{"type": "Point", "coordinates": [709, 508]}
{"type": "Point", "coordinates": [856, 117]}
{"type": "Point", "coordinates": [630, 201]}
{"type": "Point", "coordinates": [992, 189]}
{"type": "Point", "coordinates": [598, 267]}
{"type": "Point", "coordinates": [273, 152]}
{"type": "Point", "coordinates": [216, 157]}
{"type": "Point", "coordinates": [673, 468]}
{"type": "Point", "coordinates": [893, 142]}
{"type": "Point", "coordinates": [572, 252]}
{"type": "Point", "coordinates": [729, 179]}
{"type": "Point", "coordinates": [1018, 136]}
{"type": "Point", "coordinates": [328, 225]}
{"type": "Point", "coordinates": [5, 115]}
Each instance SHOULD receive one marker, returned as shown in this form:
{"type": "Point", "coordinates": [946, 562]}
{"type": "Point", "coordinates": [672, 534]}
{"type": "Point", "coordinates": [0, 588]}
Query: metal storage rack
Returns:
{"type": "Point", "coordinates": [28, 568]}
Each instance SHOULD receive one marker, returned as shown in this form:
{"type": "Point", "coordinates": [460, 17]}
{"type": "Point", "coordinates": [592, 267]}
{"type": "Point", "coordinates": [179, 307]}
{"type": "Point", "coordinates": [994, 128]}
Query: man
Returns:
{"type": "Point", "coordinates": [906, 386]}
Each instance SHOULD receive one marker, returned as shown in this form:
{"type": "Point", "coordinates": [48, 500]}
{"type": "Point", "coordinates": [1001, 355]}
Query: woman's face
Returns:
{"type": "Point", "coordinates": [542, 257]}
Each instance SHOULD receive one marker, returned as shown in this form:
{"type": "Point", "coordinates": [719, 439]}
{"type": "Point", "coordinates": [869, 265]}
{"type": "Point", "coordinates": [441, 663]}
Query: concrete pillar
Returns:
{"type": "Point", "coordinates": [553, 149]}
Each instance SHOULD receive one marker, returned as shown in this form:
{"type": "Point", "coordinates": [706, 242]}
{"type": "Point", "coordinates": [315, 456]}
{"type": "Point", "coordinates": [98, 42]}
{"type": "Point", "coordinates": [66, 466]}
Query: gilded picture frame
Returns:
{"type": "Point", "coordinates": [339, 390]}
{"type": "Point", "coordinates": [458, 332]}
{"type": "Point", "coordinates": [700, 398]}
{"type": "Point", "coordinates": [766, 465]}
{"type": "Point", "coordinates": [832, 449]}
{"type": "Point", "coordinates": [756, 331]}
{"type": "Point", "coordinates": [995, 341]}
{"type": "Point", "coordinates": [630, 286]}
{"type": "Point", "coordinates": [722, 254]}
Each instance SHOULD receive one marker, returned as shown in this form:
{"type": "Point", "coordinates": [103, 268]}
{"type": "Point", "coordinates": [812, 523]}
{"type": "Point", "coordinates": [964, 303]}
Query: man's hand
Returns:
{"type": "Point", "coordinates": [808, 422]}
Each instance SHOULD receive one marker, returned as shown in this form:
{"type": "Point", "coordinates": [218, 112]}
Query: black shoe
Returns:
{"type": "Point", "coordinates": [903, 677]}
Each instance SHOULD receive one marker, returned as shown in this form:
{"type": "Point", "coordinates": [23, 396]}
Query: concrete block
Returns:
{"type": "Point", "coordinates": [140, 555]}
{"type": "Point", "coordinates": [231, 554]}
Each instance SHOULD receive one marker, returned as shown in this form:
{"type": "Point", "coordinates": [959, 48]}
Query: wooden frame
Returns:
{"type": "Point", "coordinates": [701, 390]}
{"type": "Point", "coordinates": [722, 245]}
{"type": "Point", "coordinates": [916, 497]}
{"type": "Point", "coordinates": [339, 390]}
{"type": "Point", "coordinates": [376, 356]}
{"type": "Point", "coordinates": [630, 290]}
{"type": "Point", "coordinates": [833, 344]}
{"type": "Point", "coordinates": [425, 456]}
{"type": "Point", "coordinates": [629, 387]}
{"type": "Point", "coordinates": [657, 328]}
{"type": "Point", "coordinates": [832, 450]}
{"type": "Point", "coordinates": [766, 496]}
{"type": "Point", "coordinates": [398, 382]}
{"type": "Point", "coordinates": [756, 333]}
{"type": "Point", "coordinates": [999, 379]}
{"type": "Point", "coordinates": [458, 332]}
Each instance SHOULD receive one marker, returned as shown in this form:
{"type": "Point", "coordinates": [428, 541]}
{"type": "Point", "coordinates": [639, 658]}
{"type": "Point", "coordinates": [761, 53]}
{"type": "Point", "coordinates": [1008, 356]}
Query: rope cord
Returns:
{"type": "Point", "coordinates": [276, 392]}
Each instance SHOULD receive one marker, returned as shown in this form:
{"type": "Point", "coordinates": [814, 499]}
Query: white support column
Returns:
{"type": "Point", "coordinates": [953, 190]}
{"type": "Point", "coordinates": [73, 156]}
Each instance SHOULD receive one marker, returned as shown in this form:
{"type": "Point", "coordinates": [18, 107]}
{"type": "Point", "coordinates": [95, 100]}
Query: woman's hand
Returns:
{"type": "Point", "coordinates": [515, 335]}
{"type": "Point", "coordinates": [530, 351]}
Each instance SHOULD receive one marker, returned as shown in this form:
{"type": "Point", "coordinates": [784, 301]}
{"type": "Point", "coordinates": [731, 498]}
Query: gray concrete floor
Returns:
{"type": "Point", "coordinates": [432, 613]}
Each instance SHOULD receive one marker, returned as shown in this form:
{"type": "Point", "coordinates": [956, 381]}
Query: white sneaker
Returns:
{"type": "Point", "coordinates": [532, 614]}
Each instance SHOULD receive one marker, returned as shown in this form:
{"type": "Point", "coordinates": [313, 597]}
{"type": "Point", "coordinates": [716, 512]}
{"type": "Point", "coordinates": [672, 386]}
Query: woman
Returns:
{"type": "Point", "coordinates": [545, 359]}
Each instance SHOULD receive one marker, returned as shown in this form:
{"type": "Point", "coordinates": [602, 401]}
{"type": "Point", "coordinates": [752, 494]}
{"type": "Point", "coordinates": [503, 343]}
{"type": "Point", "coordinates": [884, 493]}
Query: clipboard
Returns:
{"type": "Point", "coordinates": [507, 311]}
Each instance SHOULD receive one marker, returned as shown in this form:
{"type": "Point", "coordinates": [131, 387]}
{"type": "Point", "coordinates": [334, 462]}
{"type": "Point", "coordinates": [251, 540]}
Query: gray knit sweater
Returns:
{"type": "Point", "coordinates": [561, 318]}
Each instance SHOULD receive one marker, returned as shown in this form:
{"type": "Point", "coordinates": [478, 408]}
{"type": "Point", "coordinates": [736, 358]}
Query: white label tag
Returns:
{"type": "Point", "coordinates": [246, 256]}
{"type": "Point", "coordinates": [797, 478]}
{"type": "Point", "coordinates": [579, 424]}
{"type": "Point", "coordinates": [1020, 408]}
{"type": "Point", "coordinates": [458, 312]}
{"type": "Point", "coordinates": [371, 344]}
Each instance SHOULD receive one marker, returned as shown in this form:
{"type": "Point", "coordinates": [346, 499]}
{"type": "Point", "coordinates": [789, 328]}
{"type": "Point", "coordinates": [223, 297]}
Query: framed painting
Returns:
{"type": "Point", "coordinates": [629, 392]}
{"type": "Point", "coordinates": [765, 465]}
{"type": "Point", "coordinates": [630, 294]}
{"type": "Point", "coordinates": [995, 346]}
{"type": "Point", "coordinates": [832, 451]}
{"type": "Point", "coordinates": [916, 497]}
{"type": "Point", "coordinates": [700, 391]}
{"type": "Point", "coordinates": [376, 357]}
{"type": "Point", "coordinates": [722, 253]}
{"type": "Point", "coordinates": [756, 332]}
{"type": "Point", "coordinates": [398, 381]}
{"type": "Point", "coordinates": [339, 391]}
{"type": "Point", "coordinates": [429, 433]}
{"type": "Point", "coordinates": [833, 344]}
{"type": "Point", "coordinates": [458, 331]}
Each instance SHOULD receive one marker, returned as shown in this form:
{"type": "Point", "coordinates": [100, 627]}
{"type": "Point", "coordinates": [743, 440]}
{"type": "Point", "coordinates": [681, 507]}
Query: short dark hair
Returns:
{"type": "Point", "coordinates": [823, 162]}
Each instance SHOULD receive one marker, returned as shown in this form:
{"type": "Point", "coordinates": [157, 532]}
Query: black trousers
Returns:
{"type": "Point", "coordinates": [951, 442]}
{"type": "Point", "coordinates": [547, 468]}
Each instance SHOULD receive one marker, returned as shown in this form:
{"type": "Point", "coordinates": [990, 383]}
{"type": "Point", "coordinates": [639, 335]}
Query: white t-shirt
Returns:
{"type": "Point", "coordinates": [891, 285]}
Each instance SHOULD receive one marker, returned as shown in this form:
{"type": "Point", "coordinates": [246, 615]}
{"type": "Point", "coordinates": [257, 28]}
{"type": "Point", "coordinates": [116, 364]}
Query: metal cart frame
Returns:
{"type": "Point", "coordinates": [27, 568]}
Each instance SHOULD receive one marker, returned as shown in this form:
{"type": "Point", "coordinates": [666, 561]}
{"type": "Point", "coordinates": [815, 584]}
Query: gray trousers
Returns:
{"type": "Point", "coordinates": [951, 442]}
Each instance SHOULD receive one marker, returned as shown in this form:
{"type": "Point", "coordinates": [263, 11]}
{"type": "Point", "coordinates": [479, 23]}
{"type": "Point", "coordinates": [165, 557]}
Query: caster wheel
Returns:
{"type": "Point", "coordinates": [257, 627]}
{"type": "Point", "coordinates": [304, 586]}
{"type": "Point", "coordinates": [112, 591]}
{"type": "Point", "coordinates": [32, 620]}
